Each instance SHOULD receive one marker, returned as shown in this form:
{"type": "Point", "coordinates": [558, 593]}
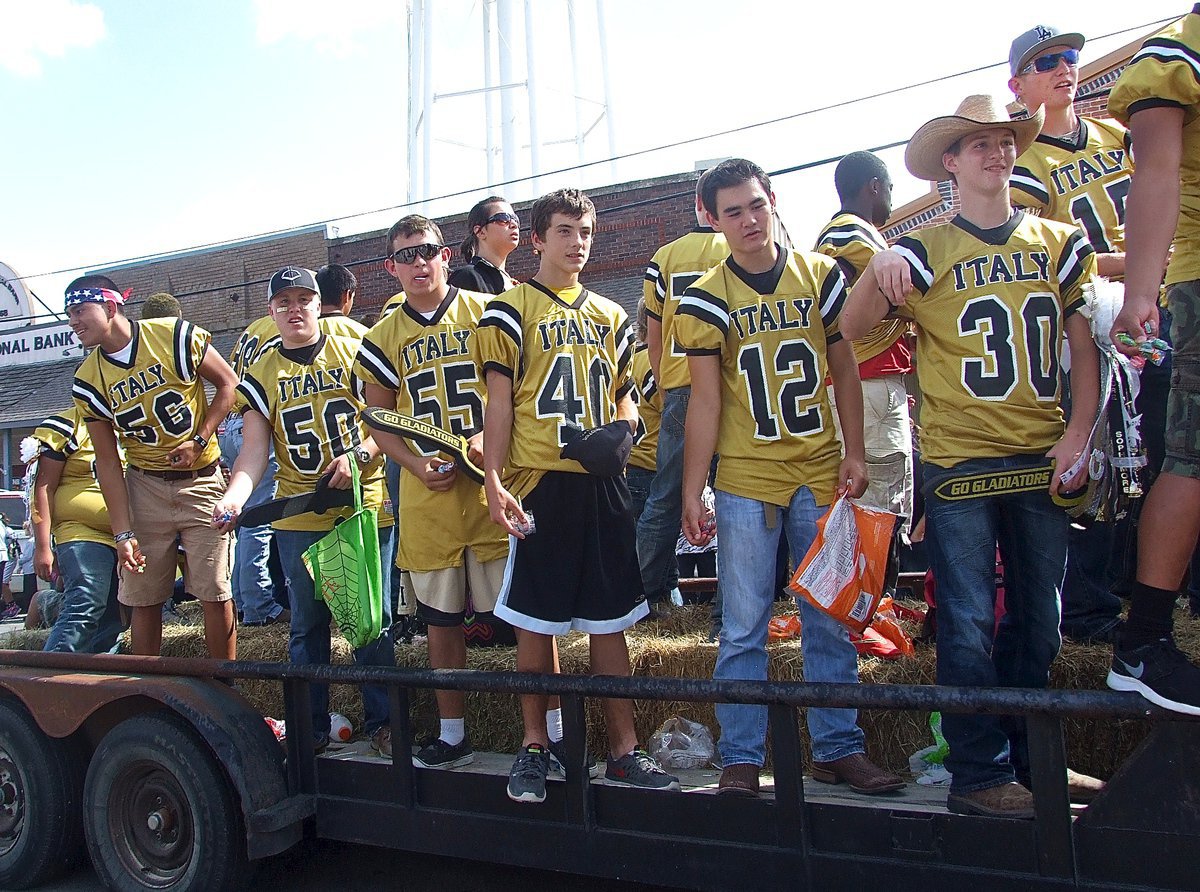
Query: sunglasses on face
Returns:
{"type": "Point", "coordinates": [503, 217]}
{"type": "Point", "coordinates": [1049, 62]}
{"type": "Point", "coordinates": [425, 252]}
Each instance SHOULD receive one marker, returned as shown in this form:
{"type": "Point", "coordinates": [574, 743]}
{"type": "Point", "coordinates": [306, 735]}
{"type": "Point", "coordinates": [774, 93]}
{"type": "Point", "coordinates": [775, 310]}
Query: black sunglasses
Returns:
{"type": "Point", "coordinates": [503, 217]}
{"type": "Point", "coordinates": [1049, 62]}
{"type": "Point", "coordinates": [424, 251]}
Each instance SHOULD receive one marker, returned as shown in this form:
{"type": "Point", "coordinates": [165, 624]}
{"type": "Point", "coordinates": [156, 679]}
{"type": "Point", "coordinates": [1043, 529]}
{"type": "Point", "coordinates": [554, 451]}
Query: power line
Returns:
{"type": "Point", "coordinates": [158, 255]}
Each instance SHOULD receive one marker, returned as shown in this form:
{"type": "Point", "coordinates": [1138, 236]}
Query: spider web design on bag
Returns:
{"type": "Point", "coordinates": [336, 573]}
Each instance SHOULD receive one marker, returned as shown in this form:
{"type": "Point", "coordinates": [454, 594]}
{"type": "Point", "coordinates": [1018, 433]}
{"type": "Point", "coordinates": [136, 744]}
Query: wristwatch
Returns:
{"type": "Point", "coordinates": [200, 441]}
{"type": "Point", "coordinates": [362, 454]}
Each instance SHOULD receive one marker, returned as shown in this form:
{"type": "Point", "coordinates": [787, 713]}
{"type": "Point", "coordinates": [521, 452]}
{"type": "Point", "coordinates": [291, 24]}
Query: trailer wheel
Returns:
{"type": "Point", "coordinates": [41, 822]}
{"type": "Point", "coordinates": [160, 813]}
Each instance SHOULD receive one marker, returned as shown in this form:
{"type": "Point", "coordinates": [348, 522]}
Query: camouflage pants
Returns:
{"type": "Point", "coordinates": [1183, 404]}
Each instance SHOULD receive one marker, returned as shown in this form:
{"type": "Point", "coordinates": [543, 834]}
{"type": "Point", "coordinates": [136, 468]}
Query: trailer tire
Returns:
{"type": "Point", "coordinates": [160, 812]}
{"type": "Point", "coordinates": [41, 819]}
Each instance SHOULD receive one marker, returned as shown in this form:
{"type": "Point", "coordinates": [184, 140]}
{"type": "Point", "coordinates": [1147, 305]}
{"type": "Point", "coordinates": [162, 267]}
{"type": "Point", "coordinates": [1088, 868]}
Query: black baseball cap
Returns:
{"type": "Point", "coordinates": [603, 450]}
{"type": "Point", "coordinates": [292, 277]}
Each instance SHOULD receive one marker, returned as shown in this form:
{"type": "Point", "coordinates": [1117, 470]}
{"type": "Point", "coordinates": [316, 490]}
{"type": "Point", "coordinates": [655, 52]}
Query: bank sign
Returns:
{"type": "Point", "coordinates": [22, 343]}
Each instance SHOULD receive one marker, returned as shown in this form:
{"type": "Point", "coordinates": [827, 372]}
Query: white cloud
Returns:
{"type": "Point", "coordinates": [45, 29]}
{"type": "Point", "coordinates": [332, 28]}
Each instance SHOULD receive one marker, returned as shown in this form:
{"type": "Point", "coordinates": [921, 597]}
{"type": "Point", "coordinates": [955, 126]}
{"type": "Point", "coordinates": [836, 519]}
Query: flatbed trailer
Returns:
{"type": "Point", "coordinates": [174, 781]}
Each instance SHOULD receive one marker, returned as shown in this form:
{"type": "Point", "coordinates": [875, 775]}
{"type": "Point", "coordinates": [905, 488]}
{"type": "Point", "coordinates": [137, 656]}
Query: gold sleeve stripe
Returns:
{"type": "Point", "coordinates": [92, 398]}
{"type": "Point", "coordinates": [255, 396]}
{"type": "Point", "coordinates": [914, 252]}
{"type": "Point", "coordinates": [505, 317]}
{"type": "Point", "coordinates": [373, 357]}
{"type": "Point", "coordinates": [706, 307]}
{"type": "Point", "coordinates": [1024, 180]}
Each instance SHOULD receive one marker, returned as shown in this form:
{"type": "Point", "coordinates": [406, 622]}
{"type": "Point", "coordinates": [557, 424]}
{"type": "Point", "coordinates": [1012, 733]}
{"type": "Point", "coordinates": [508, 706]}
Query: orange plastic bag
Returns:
{"type": "Point", "coordinates": [871, 644]}
{"type": "Point", "coordinates": [781, 628]}
{"type": "Point", "coordinates": [844, 570]}
{"type": "Point", "coordinates": [886, 623]}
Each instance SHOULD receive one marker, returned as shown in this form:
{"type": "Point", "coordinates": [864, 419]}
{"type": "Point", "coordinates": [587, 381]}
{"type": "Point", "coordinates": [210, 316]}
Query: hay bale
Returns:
{"type": "Point", "coordinates": [676, 647]}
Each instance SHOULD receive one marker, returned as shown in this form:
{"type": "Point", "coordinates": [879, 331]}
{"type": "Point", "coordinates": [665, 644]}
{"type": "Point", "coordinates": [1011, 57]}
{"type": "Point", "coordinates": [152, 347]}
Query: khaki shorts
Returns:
{"type": "Point", "coordinates": [887, 437]}
{"type": "Point", "coordinates": [161, 510]}
{"type": "Point", "coordinates": [441, 595]}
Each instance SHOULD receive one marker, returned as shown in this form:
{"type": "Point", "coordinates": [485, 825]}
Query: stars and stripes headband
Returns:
{"type": "Point", "coordinates": [96, 296]}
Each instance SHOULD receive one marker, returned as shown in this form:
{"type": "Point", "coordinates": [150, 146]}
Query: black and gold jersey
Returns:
{"type": "Point", "coordinates": [852, 242]}
{"type": "Point", "coordinates": [569, 355]}
{"type": "Point", "coordinates": [1166, 71]}
{"type": "Point", "coordinates": [428, 364]}
{"type": "Point", "coordinates": [79, 512]}
{"type": "Point", "coordinates": [391, 305]}
{"type": "Point", "coordinates": [771, 331]}
{"type": "Point", "coordinates": [649, 401]}
{"type": "Point", "coordinates": [1084, 181]}
{"type": "Point", "coordinates": [343, 326]}
{"type": "Point", "coordinates": [309, 400]}
{"type": "Point", "coordinates": [260, 335]}
{"type": "Point", "coordinates": [155, 398]}
{"type": "Point", "coordinates": [674, 267]}
{"type": "Point", "coordinates": [990, 307]}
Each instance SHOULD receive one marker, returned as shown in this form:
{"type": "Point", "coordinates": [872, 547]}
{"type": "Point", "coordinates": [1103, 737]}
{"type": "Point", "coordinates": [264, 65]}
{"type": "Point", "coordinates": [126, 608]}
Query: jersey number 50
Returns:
{"type": "Point", "coordinates": [340, 419]}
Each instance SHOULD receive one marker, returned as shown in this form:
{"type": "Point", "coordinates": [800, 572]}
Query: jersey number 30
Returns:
{"type": "Point", "coordinates": [994, 376]}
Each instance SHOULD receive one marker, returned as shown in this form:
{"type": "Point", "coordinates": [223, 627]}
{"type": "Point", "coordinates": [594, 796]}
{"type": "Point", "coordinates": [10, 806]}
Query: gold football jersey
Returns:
{"type": "Point", "coordinates": [342, 326]}
{"type": "Point", "coordinates": [990, 306]}
{"type": "Point", "coordinates": [1166, 71]}
{"type": "Point", "coordinates": [155, 400]}
{"type": "Point", "coordinates": [428, 364]}
{"type": "Point", "coordinates": [1083, 181]}
{"type": "Point", "coordinates": [260, 335]}
{"type": "Point", "coordinates": [568, 354]}
{"type": "Point", "coordinates": [79, 512]}
{"type": "Point", "coordinates": [771, 332]}
{"type": "Point", "coordinates": [672, 270]}
{"type": "Point", "coordinates": [313, 409]}
{"type": "Point", "coordinates": [649, 400]}
{"type": "Point", "coordinates": [391, 305]}
{"type": "Point", "coordinates": [852, 242]}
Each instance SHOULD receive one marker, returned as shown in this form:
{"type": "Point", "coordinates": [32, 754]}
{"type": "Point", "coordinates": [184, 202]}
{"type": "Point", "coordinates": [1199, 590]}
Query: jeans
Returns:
{"type": "Point", "coordinates": [1089, 608]}
{"type": "Point", "coordinates": [90, 619]}
{"type": "Point", "coordinates": [961, 539]}
{"type": "Point", "coordinates": [746, 550]}
{"type": "Point", "coordinates": [308, 643]}
{"type": "Point", "coordinates": [659, 522]}
{"type": "Point", "coordinates": [640, 482]}
{"type": "Point", "coordinates": [253, 591]}
{"type": "Point", "coordinates": [391, 472]}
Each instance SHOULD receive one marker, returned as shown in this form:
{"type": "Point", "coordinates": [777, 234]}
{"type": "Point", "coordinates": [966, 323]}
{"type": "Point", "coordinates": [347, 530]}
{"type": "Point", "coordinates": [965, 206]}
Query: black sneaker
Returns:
{"type": "Point", "coordinates": [637, 769]}
{"type": "Point", "coordinates": [440, 754]}
{"type": "Point", "coordinates": [1160, 672]}
{"type": "Point", "coordinates": [558, 760]}
{"type": "Point", "coordinates": [527, 778]}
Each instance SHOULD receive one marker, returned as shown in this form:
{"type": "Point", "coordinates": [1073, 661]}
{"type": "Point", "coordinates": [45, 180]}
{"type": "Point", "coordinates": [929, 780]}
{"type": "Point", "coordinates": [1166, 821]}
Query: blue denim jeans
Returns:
{"type": "Point", "coordinates": [659, 523]}
{"type": "Point", "coordinates": [640, 482]}
{"type": "Point", "coordinates": [90, 620]}
{"type": "Point", "coordinates": [253, 591]}
{"type": "Point", "coordinates": [746, 549]}
{"type": "Point", "coordinates": [961, 539]}
{"type": "Point", "coordinates": [309, 640]}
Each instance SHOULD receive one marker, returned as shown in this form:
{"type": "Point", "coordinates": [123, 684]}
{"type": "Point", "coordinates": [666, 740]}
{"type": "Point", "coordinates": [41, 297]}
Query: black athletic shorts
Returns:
{"type": "Point", "coordinates": [579, 570]}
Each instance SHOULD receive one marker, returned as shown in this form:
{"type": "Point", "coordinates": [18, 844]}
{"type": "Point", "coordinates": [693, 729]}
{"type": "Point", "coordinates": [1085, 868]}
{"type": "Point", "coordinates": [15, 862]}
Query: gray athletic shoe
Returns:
{"type": "Point", "coordinates": [638, 769]}
{"type": "Point", "coordinates": [527, 779]}
{"type": "Point", "coordinates": [558, 760]}
{"type": "Point", "coordinates": [440, 754]}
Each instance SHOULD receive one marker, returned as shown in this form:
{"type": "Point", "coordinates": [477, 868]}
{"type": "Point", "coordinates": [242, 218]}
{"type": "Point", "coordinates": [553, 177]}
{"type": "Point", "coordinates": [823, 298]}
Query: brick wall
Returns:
{"type": "Point", "coordinates": [211, 283]}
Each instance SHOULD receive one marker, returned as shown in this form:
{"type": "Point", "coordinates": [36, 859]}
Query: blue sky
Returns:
{"type": "Point", "coordinates": [137, 127]}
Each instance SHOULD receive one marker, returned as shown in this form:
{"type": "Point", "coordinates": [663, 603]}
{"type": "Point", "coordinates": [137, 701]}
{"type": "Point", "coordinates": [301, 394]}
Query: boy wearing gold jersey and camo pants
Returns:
{"type": "Point", "coordinates": [556, 360]}
{"type": "Point", "coordinates": [418, 362]}
{"type": "Point", "coordinates": [1158, 94]}
{"type": "Point", "coordinates": [68, 505]}
{"type": "Point", "coordinates": [884, 358]}
{"type": "Point", "coordinates": [146, 385]}
{"type": "Point", "coordinates": [301, 398]}
{"type": "Point", "coordinates": [761, 335]}
{"type": "Point", "coordinates": [253, 590]}
{"type": "Point", "coordinates": [673, 268]}
{"type": "Point", "coordinates": [1077, 171]}
{"type": "Point", "coordinates": [992, 293]}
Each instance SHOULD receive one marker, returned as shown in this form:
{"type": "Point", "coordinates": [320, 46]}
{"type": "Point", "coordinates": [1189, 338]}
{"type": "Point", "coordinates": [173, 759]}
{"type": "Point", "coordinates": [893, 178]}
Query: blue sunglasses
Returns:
{"type": "Point", "coordinates": [1049, 62]}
